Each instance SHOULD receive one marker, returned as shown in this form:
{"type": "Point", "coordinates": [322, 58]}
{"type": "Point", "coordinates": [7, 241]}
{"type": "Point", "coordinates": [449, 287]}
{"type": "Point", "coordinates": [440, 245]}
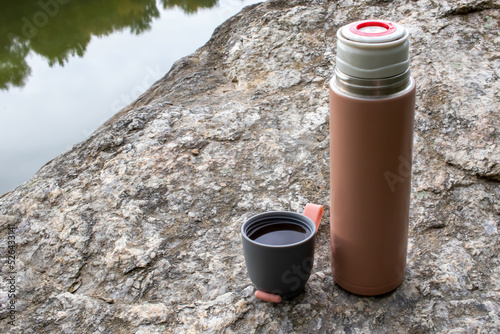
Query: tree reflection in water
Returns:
{"type": "Point", "coordinates": [189, 6]}
{"type": "Point", "coordinates": [58, 29]}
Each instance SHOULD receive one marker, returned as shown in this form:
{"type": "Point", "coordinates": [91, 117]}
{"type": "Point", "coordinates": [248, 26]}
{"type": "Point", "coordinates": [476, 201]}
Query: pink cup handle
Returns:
{"type": "Point", "coordinates": [313, 211]}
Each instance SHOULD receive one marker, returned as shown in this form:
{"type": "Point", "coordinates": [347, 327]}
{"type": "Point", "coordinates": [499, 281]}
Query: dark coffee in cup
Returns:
{"type": "Point", "coordinates": [279, 232]}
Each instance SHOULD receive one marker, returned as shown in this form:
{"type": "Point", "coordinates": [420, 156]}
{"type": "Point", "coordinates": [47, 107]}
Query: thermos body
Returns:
{"type": "Point", "coordinates": [371, 134]}
{"type": "Point", "coordinates": [370, 157]}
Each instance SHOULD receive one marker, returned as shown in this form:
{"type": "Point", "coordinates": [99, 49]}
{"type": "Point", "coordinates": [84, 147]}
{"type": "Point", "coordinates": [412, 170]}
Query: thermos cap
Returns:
{"type": "Point", "coordinates": [373, 49]}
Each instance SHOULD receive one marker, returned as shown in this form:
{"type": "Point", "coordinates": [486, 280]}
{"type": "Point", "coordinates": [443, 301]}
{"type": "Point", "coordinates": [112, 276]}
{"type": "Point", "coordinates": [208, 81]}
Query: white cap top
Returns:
{"type": "Point", "coordinates": [372, 49]}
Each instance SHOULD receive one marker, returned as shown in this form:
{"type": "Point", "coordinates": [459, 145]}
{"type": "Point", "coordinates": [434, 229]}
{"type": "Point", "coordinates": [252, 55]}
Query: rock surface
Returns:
{"type": "Point", "coordinates": [136, 229]}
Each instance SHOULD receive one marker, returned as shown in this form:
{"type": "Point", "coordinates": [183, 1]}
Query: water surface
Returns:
{"type": "Point", "coordinates": [66, 66]}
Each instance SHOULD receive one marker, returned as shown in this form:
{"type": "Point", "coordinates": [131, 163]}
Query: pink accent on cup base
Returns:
{"type": "Point", "coordinates": [268, 297]}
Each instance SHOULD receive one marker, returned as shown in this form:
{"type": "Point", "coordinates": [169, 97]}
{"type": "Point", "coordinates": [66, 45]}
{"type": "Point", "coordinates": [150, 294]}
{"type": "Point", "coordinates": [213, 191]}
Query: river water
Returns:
{"type": "Point", "coordinates": [68, 66]}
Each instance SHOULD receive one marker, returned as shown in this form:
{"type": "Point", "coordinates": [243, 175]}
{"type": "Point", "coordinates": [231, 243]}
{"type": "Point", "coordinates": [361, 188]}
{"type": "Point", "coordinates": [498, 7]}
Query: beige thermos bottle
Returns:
{"type": "Point", "coordinates": [372, 99]}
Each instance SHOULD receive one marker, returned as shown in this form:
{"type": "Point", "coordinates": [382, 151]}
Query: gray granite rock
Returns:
{"type": "Point", "coordinates": [136, 229]}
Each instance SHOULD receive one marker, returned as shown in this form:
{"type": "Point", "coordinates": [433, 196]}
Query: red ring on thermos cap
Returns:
{"type": "Point", "coordinates": [389, 26]}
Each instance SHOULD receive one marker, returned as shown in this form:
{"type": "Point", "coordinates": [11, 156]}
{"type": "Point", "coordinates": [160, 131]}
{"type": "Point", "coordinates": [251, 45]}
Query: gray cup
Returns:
{"type": "Point", "coordinates": [281, 270]}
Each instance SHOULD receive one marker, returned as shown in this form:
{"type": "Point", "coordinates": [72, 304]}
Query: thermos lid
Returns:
{"type": "Point", "coordinates": [373, 49]}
